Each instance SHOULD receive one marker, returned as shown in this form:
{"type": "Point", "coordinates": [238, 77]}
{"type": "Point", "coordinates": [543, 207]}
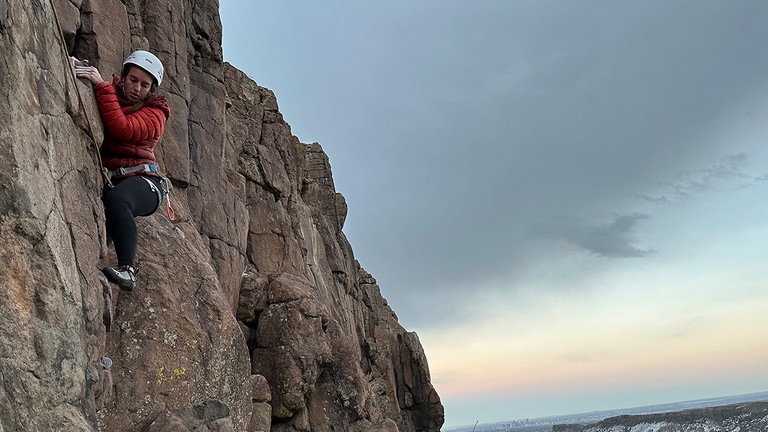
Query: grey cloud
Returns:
{"type": "Point", "coordinates": [446, 295]}
{"type": "Point", "coordinates": [615, 239]}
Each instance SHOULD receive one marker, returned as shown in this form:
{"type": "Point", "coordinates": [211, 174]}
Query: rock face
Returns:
{"type": "Point", "coordinates": [743, 417]}
{"type": "Point", "coordinates": [250, 312]}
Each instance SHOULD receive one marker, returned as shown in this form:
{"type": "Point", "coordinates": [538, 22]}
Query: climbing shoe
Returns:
{"type": "Point", "coordinates": [123, 276]}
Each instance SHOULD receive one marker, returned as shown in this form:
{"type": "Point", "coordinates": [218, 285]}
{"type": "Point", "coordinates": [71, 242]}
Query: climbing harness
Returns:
{"type": "Point", "coordinates": [104, 171]}
{"type": "Point", "coordinates": [163, 194]}
{"type": "Point", "coordinates": [150, 168]}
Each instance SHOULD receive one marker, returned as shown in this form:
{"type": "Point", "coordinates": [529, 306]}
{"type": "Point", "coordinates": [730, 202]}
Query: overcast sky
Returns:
{"type": "Point", "coordinates": [565, 199]}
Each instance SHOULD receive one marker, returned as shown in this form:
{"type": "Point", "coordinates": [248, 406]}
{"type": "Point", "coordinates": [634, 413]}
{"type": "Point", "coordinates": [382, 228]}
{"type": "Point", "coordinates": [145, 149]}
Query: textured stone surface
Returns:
{"type": "Point", "coordinates": [250, 311]}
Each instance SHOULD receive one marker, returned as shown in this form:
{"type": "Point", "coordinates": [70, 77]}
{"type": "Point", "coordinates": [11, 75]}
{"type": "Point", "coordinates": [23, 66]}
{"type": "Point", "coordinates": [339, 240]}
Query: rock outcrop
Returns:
{"type": "Point", "coordinates": [250, 312]}
{"type": "Point", "coordinates": [742, 417]}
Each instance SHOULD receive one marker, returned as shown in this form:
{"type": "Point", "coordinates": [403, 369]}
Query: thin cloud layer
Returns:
{"type": "Point", "coordinates": [685, 185]}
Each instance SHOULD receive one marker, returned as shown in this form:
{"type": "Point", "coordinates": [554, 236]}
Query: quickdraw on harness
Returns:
{"type": "Point", "coordinates": [163, 194]}
{"type": "Point", "coordinates": [167, 193]}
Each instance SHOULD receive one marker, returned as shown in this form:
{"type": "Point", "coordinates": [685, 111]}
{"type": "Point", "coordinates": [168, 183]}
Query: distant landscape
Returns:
{"type": "Point", "coordinates": [544, 424]}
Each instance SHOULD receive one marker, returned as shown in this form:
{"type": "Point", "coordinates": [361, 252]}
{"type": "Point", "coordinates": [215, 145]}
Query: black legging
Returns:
{"type": "Point", "coordinates": [129, 198]}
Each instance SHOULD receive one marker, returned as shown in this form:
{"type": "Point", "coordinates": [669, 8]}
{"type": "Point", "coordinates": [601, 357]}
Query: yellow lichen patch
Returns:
{"type": "Point", "coordinates": [177, 372]}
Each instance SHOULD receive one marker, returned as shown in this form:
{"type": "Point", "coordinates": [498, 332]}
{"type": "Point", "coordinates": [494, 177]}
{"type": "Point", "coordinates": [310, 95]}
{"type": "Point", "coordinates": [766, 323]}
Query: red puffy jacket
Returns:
{"type": "Point", "coordinates": [129, 139]}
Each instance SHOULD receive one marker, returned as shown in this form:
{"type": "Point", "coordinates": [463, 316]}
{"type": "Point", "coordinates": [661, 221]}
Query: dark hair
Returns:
{"type": "Point", "coordinates": [152, 89]}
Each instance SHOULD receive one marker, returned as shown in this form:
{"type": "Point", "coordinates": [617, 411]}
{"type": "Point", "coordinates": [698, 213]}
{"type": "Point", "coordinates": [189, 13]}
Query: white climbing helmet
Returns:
{"type": "Point", "coordinates": [147, 61]}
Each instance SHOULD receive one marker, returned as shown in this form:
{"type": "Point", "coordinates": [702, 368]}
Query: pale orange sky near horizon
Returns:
{"type": "Point", "coordinates": [601, 344]}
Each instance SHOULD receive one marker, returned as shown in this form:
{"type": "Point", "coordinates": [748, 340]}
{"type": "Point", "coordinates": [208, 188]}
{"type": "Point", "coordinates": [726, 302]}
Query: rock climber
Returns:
{"type": "Point", "coordinates": [134, 118]}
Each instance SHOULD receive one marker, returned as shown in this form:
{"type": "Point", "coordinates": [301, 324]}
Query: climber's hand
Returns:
{"type": "Point", "coordinates": [75, 62]}
{"type": "Point", "coordinates": [88, 72]}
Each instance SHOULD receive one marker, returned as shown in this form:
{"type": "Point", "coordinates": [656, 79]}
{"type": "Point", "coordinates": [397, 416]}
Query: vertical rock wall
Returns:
{"type": "Point", "coordinates": [250, 311]}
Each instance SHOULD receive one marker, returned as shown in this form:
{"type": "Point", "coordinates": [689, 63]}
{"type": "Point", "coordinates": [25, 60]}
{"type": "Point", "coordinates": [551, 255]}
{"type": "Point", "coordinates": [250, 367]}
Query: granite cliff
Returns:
{"type": "Point", "coordinates": [250, 312]}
